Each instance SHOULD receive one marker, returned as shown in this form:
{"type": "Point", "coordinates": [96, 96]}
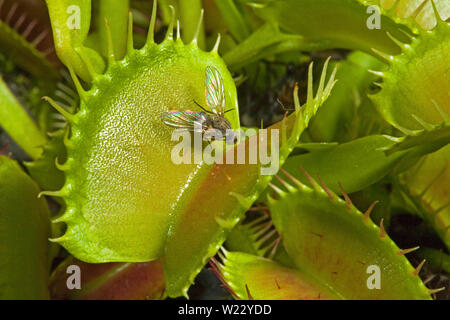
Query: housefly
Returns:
{"type": "Point", "coordinates": [207, 121]}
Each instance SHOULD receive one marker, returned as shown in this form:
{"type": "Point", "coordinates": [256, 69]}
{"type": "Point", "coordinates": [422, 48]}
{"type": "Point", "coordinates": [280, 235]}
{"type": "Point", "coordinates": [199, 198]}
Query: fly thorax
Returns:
{"type": "Point", "coordinates": [220, 123]}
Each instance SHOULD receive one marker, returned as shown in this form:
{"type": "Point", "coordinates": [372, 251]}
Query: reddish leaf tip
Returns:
{"type": "Point", "coordinates": [418, 268]}
{"type": "Point", "coordinates": [369, 210]}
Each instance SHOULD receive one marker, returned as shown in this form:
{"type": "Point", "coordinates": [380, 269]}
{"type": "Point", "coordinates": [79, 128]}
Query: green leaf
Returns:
{"type": "Point", "coordinates": [336, 23]}
{"type": "Point", "coordinates": [190, 18]}
{"type": "Point", "coordinates": [24, 233]}
{"type": "Point", "coordinates": [423, 141]}
{"type": "Point", "coordinates": [379, 192]}
{"type": "Point", "coordinates": [18, 124]}
{"type": "Point", "coordinates": [426, 186]}
{"type": "Point", "coordinates": [336, 245]}
{"type": "Point", "coordinates": [64, 14]}
{"type": "Point", "coordinates": [253, 277]}
{"type": "Point", "coordinates": [359, 163]}
{"type": "Point", "coordinates": [111, 16]}
{"type": "Point", "coordinates": [44, 170]}
{"type": "Point", "coordinates": [234, 18]}
{"type": "Point", "coordinates": [120, 122]}
{"type": "Point", "coordinates": [340, 114]}
{"type": "Point", "coordinates": [355, 164]}
{"type": "Point", "coordinates": [411, 97]}
{"type": "Point", "coordinates": [166, 13]}
{"type": "Point", "coordinates": [263, 43]}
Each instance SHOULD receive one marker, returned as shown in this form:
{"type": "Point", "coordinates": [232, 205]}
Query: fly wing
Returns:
{"type": "Point", "coordinates": [184, 119]}
{"type": "Point", "coordinates": [215, 93]}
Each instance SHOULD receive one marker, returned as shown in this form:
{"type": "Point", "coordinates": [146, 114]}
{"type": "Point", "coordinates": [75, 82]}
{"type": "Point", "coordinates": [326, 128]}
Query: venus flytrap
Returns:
{"type": "Point", "coordinates": [426, 187]}
{"type": "Point", "coordinates": [131, 213]}
{"type": "Point", "coordinates": [427, 86]}
{"type": "Point", "coordinates": [329, 263]}
{"type": "Point", "coordinates": [132, 93]}
{"type": "Point", "coordinates": [249, 277]}
{"type": "Point", "coordinates": [422, 114]}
